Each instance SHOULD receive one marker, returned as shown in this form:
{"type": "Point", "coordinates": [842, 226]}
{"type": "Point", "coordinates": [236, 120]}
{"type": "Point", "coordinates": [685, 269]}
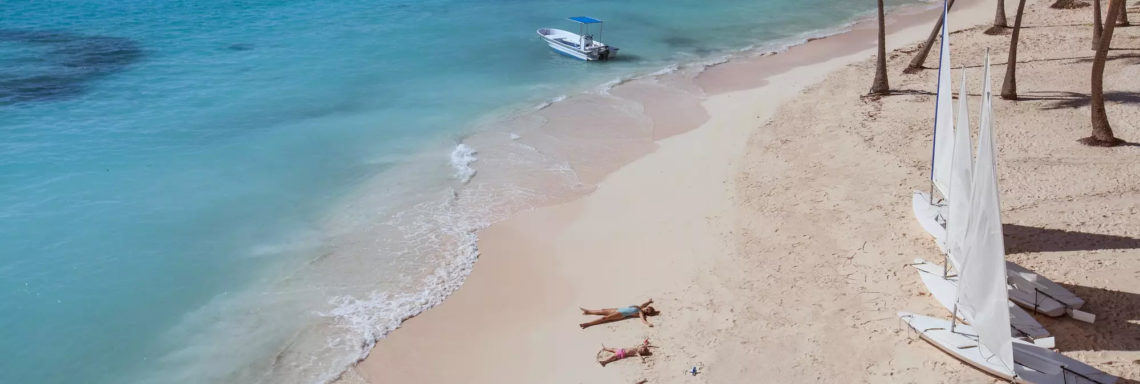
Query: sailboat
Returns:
{"type": "Point", "coordinates": [950, 167]}
{"type": "Point", "coordinates": [942, 285]}
{"type": "Point", "coordinates": [982, 295]}
{"type": "Point", "coordinates": [931, 214]}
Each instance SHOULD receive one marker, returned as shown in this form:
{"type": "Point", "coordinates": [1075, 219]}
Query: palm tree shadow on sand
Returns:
{"type": "Point", "coordinates": [1117, 326]}
{"type": "Point", "coordinates": [1023, 239]}
{"type": "Point", "coordinates": [1063, 100]}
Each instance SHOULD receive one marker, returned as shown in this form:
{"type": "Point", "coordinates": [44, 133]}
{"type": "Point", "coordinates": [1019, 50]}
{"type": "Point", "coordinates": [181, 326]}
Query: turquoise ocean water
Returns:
{"type": "Point", "coordinates": [174, 175]}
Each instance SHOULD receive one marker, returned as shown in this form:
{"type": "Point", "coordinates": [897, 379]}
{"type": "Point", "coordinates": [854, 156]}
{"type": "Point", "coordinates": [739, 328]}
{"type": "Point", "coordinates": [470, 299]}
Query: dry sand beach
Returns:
{"type": "Point", "coordinates": [774, 237]}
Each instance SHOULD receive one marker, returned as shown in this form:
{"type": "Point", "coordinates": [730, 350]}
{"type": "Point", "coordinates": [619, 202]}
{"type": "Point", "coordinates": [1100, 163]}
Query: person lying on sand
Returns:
{"type": "Point", "coordinates": [615, 314]}
{"type": "Point", "coordinates": [621, 353]}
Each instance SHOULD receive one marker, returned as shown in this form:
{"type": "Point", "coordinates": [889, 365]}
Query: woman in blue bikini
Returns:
{"type": "Point", "coordinates": [614, 314]}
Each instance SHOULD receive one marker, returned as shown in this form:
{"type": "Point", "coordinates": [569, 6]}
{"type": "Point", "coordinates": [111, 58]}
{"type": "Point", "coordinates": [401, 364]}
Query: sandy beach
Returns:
{"type": "Point", "coordinates": [773, 227]}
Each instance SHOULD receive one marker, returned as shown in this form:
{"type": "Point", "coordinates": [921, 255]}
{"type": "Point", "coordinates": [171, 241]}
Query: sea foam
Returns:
{"type": "Point", "coordinates": [461, 158]}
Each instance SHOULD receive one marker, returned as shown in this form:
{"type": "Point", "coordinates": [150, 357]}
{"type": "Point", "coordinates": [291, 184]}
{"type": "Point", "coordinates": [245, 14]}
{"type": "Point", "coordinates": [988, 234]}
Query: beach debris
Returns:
{"type": "Point", "coordinates": [695, 370]}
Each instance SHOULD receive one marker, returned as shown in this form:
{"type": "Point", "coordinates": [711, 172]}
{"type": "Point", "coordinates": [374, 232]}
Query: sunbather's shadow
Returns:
{"type": "Point", "coordinates": [1023, 239]}
{"type": "Point", "coordinates": [1117, 326]}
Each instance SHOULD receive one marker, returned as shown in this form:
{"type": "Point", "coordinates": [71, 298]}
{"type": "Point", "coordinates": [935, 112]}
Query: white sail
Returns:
{"type": "Point", "coordinates": [987, 89]}
{"type": "Point", "coordinates": [962, 168]}
{"type": "Point", "coordinates": [982, 296]}
{"type": "Point", "coordinates": [943, 116]}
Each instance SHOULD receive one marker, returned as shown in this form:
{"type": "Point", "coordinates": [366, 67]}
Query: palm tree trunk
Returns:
{"type": "Point", "coordinates": [880, 86]}
{"type": "Point", "coordinates": [1009, 87]}
{"type": "Point", "coordinates": [1098, 26]}
{"type": "Point", "coordinates": [999, 20]}
{"type": "Point", "coordinates": [916, 62]}
{"type": "Point", "coordinates": [1101, 130]}
{"type": "Point", "coordinates": [1123, 21]}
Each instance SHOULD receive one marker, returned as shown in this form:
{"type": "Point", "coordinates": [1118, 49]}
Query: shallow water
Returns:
{"type": "Point", "coordinates": [255, 192]}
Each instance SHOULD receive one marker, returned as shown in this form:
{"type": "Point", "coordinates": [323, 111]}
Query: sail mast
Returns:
{"type": "Point", "coordinates": [962, 166]}
{"type": "Point", "coordinates": [943, 115]}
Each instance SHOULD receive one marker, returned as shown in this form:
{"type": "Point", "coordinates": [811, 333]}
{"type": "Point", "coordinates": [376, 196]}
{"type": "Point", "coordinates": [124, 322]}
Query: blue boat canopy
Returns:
{"type": "Point", "coordinates": [585, 20]}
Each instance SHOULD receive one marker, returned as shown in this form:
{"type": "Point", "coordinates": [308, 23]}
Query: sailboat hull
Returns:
{"type": "Point", "coordinates": [944, 289]}
{"type": "Point", "coordinates": [962, 343]}
{"type": "Point", "coordinates": [1033, 364]}
{"type": "Point", "coordinates": [1027, 282]}
{"type": "Point", "coordinates": [931, 217]}
{"type": "Point", "coordinates": [1021, 292]}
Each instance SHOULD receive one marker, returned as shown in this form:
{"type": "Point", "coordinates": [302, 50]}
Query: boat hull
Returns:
{"type": "Point", "coordinates": [1033, 364]}
{"type": "Point", "coordinates": [945, 291]}
{"type": "Point", "coordinates": [567, 51]}
{"type": "Point", "coordinates": [572, 45]}
{"type": "Point", "coordinates": [962, 343]}
{"type": "Point", "coordinates": [931, 217]}
{"type": "Point", "coordinates": [1027, 282]}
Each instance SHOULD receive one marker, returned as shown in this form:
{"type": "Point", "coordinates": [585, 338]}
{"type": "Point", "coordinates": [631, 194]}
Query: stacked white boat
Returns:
{"type": "Point", "coordinates": [975, 283]}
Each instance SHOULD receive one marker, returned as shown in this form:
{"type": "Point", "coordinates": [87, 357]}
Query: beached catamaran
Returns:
{"type": "Point", "coordinates": [950, 167]}
{"type": "Point", "coordinates": [581, 45]}
{"type": "Point", "coordinates": [982, 296]}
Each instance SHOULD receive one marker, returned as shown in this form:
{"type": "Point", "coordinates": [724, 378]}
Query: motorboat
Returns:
{"type": "Point", "coordinates": [581, 45]}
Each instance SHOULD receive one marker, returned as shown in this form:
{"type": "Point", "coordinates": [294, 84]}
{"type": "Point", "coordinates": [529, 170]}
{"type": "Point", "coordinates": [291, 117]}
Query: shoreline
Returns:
{"type": "Point", "coordinates": [501, 261]}
{"type": "Point", "coordinates": [360, 307]}
{"type": "Point", "coordinates": [494, 132]}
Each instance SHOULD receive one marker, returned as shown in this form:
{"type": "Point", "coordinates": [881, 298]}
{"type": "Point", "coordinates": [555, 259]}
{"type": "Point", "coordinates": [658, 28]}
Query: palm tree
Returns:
{"type": "Point", "coordinates": [1123, 21]}
{"type": "Point", "coordinates": [1101, 130]}
{"type": "Point", "coordinates": [916, 63]}
{"type": "Point", "coordinates": [880, 85]}
{"type": "Point", "coordinates": [1098, 26]}
{"type": "Point", "coordinates": [1009, 87]}
{"type": "Point", "coordinates": [999, 20]}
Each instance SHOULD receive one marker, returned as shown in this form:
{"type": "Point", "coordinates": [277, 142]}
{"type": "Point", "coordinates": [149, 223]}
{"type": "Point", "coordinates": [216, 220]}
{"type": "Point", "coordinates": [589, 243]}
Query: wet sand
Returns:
{"type": "Point", "coordinates": [774, 235]}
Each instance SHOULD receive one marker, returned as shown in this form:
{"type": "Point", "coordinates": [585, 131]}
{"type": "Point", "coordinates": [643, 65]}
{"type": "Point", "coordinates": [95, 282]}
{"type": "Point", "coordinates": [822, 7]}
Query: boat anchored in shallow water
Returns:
{"type": "Point", "coordinates": [581, 45]}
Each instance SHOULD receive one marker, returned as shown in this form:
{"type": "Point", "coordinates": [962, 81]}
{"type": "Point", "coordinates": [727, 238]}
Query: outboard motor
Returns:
{"type": "Point", "coordinates": [606, 52]}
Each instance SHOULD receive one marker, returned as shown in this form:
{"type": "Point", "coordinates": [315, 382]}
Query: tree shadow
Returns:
{"type": "Point", "coordinates": [1022, 239]}
{"type": "Point", "coordinates": [905, 92]}
{"type": "Point", "coordinates": [1136, 56]}
{"type": "Point", "coordinates": [1115, 328]}
{"type": "Point", "coordinates": [1028, 61]}
{"type": "Point", "coordinates": [1077, 59]}
{"type": "Point", "coordinates": [1065, 99]}
{"type": "Point", "coordinates": [1085, 58]}
{"type": "Point", "coordinates": [1057, 25]}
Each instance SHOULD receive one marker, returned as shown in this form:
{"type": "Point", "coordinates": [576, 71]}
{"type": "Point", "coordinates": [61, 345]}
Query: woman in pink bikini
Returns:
{"type": "Point", "coordinates": [621, 353]}
{"type": "Point", "coordinates": [615, 314]}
